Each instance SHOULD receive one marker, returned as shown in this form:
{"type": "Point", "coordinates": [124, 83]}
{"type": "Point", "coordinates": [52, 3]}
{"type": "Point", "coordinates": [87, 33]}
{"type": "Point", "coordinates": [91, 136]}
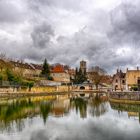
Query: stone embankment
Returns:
{"type": "Point", "coordinates": [35, 91]}
{"type": "Point", "coordinates": [125, 97]}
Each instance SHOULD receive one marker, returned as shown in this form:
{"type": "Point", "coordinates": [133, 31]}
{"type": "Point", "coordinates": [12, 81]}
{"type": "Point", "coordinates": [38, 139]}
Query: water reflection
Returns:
{"type": "Point", "coordinates": [62, 118]}
{"type": "Point", "coordinates": [15, 111]}
{"type": "Point", "coordinates": [132, 110]}
{"type": "Point", "coordinates": [95, 107]}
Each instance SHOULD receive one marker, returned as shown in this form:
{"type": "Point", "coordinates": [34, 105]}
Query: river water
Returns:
{"type": "Point", "coordinates": [62, 118]}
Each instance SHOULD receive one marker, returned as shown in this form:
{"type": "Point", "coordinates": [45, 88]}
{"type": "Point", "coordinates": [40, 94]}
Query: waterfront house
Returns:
{"type": "Point", "coordinates": [59, 74]}
{"type": "Point", "coordinates": [119, 81]}
{"type": "Point", "coordinates": [24, 69]}
{"type": "Point", "coordinates": [133, 78]}
{"type": "Point", "coordinates": [38, 69]}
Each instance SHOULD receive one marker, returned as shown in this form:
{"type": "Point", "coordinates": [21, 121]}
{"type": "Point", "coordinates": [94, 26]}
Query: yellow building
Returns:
{"type": "Point", "coordinates": [26, 69]}
{"type": "Point", "coordinates": [132, 78]}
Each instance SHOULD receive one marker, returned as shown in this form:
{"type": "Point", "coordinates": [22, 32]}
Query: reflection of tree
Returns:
{"type": "Point", "coordinates": [133, 110]}
{"type": "Point", "coordinates": [125, 107]}
{"type": "Point", "coordinates": [45, 109]}
{"type": "Point", "coordinates": [97, 107]}
{"type": "Point", "coordinates": [80, 106]}
{"type": "Point", "coordinates": [14, 111]}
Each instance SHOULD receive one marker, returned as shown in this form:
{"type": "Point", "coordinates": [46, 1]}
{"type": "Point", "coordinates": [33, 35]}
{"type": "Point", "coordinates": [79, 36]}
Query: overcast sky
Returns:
{"type": "Point", "coordinates": [103, 32]}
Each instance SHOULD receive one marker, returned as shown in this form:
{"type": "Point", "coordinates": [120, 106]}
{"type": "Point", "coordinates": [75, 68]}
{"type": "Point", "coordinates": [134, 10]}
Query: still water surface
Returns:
{"type": "Point", "coordinates": [62, 118]}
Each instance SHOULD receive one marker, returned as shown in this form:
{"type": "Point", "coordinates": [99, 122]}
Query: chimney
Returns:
{"type": "Point", "coordinates": [117, 70]}
{"type": "Point", "coordinates": [137, 68]}
{"type": "Point", "coordinates": [127, 69]}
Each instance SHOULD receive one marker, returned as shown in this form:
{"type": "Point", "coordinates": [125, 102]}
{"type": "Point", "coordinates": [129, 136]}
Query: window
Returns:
{"type": "Point", "coordinates": [123, 81]}
{"type": "Point", "coordinates": [116, 80]}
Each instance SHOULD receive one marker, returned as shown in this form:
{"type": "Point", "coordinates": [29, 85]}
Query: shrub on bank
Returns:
{"type": "Point", "coordinates": [134, 88]}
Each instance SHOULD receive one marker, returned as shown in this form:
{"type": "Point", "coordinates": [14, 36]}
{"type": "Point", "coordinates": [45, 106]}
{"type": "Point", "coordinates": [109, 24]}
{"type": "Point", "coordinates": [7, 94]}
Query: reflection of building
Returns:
{"type": "Point", "coordinates": [83, 66]}
{"type": "Point", "coordinates": [119, 81]}
{"type": "Point", "coordinates": [132, 78]}
{"type": "Point", "coordinates": [61, 106]}
{"type": "Point", "coordinates": [135, 115]}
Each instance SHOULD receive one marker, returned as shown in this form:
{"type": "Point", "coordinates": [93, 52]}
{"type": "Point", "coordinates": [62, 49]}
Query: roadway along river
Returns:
{"type": "Point", "coordinates": [62, 118]}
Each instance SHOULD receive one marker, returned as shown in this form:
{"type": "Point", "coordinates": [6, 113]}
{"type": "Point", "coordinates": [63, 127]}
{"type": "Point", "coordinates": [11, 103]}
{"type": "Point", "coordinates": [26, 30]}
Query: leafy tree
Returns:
{"type": "Point", "coordinates": [13, 77]}
{"type": "Point", "coordinates": [10, 75]}
{"type": "Point", "coordinates": [46, 70]}
{"type": "Point", "coordinates": [28, 84]}
{"type": "Point", "coordinates": [1, 78]}
{"type": "Point", "coordinates": [79, 76]}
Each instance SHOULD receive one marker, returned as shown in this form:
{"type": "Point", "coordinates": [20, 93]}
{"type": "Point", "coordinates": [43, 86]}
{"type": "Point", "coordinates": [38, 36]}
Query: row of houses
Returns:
{"type": "Point", "coordinates": [60, 73]}
{"type": "Point", "coordinates": [126, 80]}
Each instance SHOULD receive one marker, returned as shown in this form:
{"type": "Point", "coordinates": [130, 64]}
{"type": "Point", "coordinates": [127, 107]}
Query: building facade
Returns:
{"type": "Point", "coordinates": [132, 78]}
{"type": "Point", "coordinates": [83, 66]}
{"type": "Point", "coordinates": [119, 81]}
{"type": "Point", "coordinates": [59, 74]}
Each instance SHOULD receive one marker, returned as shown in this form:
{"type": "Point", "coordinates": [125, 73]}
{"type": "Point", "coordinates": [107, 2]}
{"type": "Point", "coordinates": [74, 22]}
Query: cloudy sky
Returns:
{"type": "Point", "coordinates": [103, 32]}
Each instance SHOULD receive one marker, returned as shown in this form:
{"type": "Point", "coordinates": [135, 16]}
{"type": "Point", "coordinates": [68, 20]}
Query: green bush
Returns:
{"type": "Point", "coordinates": [50, 78]}
{"type": "Point", "coordinates": [29, 84]}
{"type": "Point", "coordinates": [134, 88]}
{"type": "Point", "coordinates": [12, 77]}
{"type": "Point", "coordinates": [1, 77]}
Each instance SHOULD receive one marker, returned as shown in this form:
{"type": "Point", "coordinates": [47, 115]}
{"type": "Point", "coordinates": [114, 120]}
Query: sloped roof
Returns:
{"type": "Point", "coordinates": [58, 69]}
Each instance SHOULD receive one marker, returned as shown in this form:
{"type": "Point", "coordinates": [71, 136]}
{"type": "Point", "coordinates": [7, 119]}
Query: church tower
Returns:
{"type": "Point", "coordinates": [83, 66]}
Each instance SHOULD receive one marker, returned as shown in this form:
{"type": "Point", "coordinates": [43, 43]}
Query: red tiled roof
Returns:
{"type": "Point", "coordinates": [58, 69]}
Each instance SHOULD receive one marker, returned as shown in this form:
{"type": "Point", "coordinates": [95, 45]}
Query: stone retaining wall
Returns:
{"type": "Point", "coordinates": [134, 96]}
{"type": "Point", "coordinates": [47, 89]}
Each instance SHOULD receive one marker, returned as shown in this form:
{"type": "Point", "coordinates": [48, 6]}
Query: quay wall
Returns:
{"type": "Point", "coordinates": [47, 89]}
{"type": "Point", "coordinates": [40, 89]}
{"type": "Point", "coordinates": [52, 89]}
{"type": "Point", "coordinates": [125, 97]}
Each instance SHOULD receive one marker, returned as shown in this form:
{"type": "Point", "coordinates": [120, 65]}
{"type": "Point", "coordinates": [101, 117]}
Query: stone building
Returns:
{"type": "Point", "coordinates": [26, 70]}
{"type": "Point", "coordinates": [132, 78]}
{"type": "Point", "coordinates": [59, 74]}
{"type": "Point", "coordinates": [119, 81]}
{"type": "Point", "coordinates": [38, 69]}
{"type": "Point", "coordinates": [83, 66]}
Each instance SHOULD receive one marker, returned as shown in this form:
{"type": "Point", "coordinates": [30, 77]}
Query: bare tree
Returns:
{"type": "Point", "coordinates": [96, 78]}
{"type": "Point", "coordinates": [3, 56]}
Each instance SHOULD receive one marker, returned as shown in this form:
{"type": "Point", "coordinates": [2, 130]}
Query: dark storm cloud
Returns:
{"type": "Point", "coordinates": [41, 35]}
{"type": "Point", "coordinates": [126, 23]}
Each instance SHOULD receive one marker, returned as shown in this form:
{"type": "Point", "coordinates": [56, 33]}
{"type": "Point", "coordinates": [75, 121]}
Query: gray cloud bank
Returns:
{"type": "Point", "coordinates": [68, 31]}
